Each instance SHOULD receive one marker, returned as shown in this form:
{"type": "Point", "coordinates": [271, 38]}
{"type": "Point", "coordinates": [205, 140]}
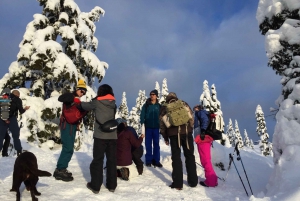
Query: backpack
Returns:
{"type": "Point", "coordinates": [211, 129]}
{"type": "Point", "coordinates": [72, 114]}
{"type": "Point", "coordinates": [177, 113]}
{"type": "Point", "coordinates": [5, 102]}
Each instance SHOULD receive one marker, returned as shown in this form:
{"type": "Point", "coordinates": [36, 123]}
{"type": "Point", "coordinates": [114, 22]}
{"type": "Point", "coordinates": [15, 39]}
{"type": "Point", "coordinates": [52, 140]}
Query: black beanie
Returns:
{"type": "Point", "coordinates": [154, 92]}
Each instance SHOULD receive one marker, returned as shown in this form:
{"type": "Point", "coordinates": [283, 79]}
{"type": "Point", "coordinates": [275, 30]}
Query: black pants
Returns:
{"type": "Point", "coordinates": [6, 144]}
{"type": "Point", "coordinates": [177, 173]}
{"type": "Point", "coordinates": [136, 157]}
{"type": "Point", "coordinates": [14, 128]}
{"type": "Point", "coordinates": [109, 148]}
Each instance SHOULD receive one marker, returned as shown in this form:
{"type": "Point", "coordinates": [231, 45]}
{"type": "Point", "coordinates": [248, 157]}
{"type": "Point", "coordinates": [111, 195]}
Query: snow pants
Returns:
{"type": "Point", "coordinates": [190, 163]}
{"type": "Point", "coordinates": [14, 128]}
{"type": "Point", "coordinates": [205, 159]}
{"type": "Point", "coordinates": [67, 134]}
{"type": "Point", "coordinates": [109, 148]}
{"type": "Point", "coordinates": [152, 136]}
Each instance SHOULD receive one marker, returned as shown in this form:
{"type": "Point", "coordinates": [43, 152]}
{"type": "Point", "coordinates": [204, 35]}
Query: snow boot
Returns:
{"type": "Point", "coordinates": [156, 164]}
{"type": "Point", "coordinates": [124, 173]}
{"type": "Point", "coordinates": [62, 174]}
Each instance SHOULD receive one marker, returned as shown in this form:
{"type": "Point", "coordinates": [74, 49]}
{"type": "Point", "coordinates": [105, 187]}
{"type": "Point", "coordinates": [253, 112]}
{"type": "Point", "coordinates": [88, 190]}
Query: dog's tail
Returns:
{"type": "Point", "coordinates": [41, 173]}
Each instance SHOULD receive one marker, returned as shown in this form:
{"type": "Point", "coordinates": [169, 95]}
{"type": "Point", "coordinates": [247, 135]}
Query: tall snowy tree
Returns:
{"type": "Point", "coordinates": [251, 144]}
{"type": "Point", "coordinates": [230, 133]}
{"type": "Point", "coordinates": [123, 108]}
{"type": "Point", "coordinates": [279, 21]}
{"type": "Point", "coordinates": [205, 97]}
{"type": "Point", "coordinates": [56, 50]}
{"type": "Point", "coordinates": [261, 130]}
{"type": "Point", "coordinates": [238, 136]}
{"type": "Point", "coordinates": [164, 91]}
{"type": "Point", "coordinates": [209, 100]}
{"type": "Point", "coordinates": [134, 116]}
{"type": "Point", "coordinates": [247, 141]}
{"type": "Point", "coordinates": [158, 90]}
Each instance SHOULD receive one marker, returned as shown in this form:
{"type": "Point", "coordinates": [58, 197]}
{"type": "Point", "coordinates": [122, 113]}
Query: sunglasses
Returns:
{"type": "Point", "coordinates": [82, 91]}
{"type": "Point", "coordinates": [152, 94]}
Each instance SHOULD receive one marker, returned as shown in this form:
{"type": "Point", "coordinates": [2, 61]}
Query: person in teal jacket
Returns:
{"type": "Point", "coordinates": [150, 118]}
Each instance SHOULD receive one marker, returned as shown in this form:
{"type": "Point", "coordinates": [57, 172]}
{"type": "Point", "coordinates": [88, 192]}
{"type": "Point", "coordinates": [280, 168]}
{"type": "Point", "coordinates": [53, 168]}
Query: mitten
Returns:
{"type": "Point", "coordinates": [76, 100]}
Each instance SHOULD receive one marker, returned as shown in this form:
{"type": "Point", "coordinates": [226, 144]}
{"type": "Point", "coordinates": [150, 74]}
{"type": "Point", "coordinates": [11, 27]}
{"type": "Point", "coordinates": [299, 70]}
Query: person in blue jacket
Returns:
{"type": "Point", "coordinates": [204, 141]}
{"type": "Point", "coordinates": [150, 118]}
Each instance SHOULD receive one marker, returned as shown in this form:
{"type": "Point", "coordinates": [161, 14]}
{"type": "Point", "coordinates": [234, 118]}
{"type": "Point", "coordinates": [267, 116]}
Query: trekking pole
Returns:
{"type": "Point", "coordinates": [238, 173]}
{"type": "Point", "coordinates": [222, 179]}
{"type": "Point", "coordinates": [240, 158]}
{"type": "Point", "coordinates": [230, 161]}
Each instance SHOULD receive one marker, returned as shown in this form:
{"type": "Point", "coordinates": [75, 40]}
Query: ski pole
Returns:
{"type": "Point", "coordinates": [240, 158]}
{"type": "Point", "coordinates": [238, 173]}
{"type": "Point", "coordinates": [230, 161]}
{"type": "Point", "coordinates": [222, 179]}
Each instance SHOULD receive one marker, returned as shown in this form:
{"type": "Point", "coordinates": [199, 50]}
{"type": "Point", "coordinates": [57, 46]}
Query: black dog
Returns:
{"type": "Point", "coordinates": [26, 170]}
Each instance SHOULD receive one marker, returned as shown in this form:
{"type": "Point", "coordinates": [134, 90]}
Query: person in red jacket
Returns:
{"type": "Point", "coordinates": [68, 134]}
{"type": "Point", "coordinates": [125, 141]}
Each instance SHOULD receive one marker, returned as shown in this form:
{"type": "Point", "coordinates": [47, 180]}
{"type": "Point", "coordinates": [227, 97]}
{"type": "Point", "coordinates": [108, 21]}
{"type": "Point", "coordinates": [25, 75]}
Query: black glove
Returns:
{"type": "Point", "coordinates": [202, 134]}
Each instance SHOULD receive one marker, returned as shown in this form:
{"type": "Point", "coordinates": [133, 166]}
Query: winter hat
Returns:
{"type": "Point", "coordinates": [81, 85]}
{"type": "Point", "coordinates": [154, 92]}
{"type": "Point", "coordinates": [171, 96]}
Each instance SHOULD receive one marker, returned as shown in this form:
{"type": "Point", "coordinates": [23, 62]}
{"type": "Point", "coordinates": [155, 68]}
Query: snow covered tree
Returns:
{"type": "Point", "coordinates": [261, 130]}
{"type": "Point", "coordinates": [123, 108]}
{"type": "Point", "coordinates": [247, 141]}
{"type": "Point", "coordinates": [251, 144]}
{"type": "Point", "coordinates": [56, 51]}
{"type": "Point", "coordinates": [210, 102]}
{"type": "Point", "coordinates": [134, 116]}
{"type": "Point", "coordinates": [158, 90]}
{"type": "Point", "coordinates": [205, 97]}
{"type": "Point", "coordinates": [238, 137]}
{"type": "Point", "coordinates": [230, 133]}
{"type": "Point", "coordinates": [164, 91]}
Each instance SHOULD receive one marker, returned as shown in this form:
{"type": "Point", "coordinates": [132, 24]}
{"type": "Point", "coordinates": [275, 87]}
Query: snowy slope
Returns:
{"type": "Point", "coordinates": [152, 185]}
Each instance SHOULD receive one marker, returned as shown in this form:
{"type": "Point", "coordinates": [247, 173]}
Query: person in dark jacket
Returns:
{"type": "Point", "coordinates": [136, 152]}
{"type": "Point", "coordinates": [105, 143]}
{"type": "Point", "coordinates": [11, 123]}
{"type": "Point", "coordinates": [68, 133]}
{"type": "Point", "coordinates": [177, 137]}
{"type": "Point", "coordinates": [150, 118]}
{"type": "Point", "coordinates": [126, 141]}
{"type": "Point", "coordinates": [204, 142]}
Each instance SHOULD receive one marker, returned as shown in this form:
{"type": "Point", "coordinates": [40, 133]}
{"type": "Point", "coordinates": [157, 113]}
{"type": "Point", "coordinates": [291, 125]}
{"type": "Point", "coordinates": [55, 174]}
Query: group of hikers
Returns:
{"type": "Point", "coordinates": [122, 146]}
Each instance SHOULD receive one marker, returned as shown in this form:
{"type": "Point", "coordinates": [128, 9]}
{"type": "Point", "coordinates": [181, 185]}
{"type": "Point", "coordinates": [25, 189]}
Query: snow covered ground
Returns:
{"type": "Point", "coordinates": [152, 185]}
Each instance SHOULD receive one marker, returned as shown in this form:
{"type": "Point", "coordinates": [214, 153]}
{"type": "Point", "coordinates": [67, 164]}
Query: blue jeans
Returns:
{"type": "Point", "coordinates": [152, 136]}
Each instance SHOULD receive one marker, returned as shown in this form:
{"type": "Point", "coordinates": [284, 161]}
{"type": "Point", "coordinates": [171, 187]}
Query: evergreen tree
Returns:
{"type": "Point", "coordinates": [251, 144]}
{"type": "Point", "coordinates": [238, 137]}
{"type": "Point", "coordinates": [134, 116]}
{"type": "Point", "coordinates": [261, 130]}
{"type": "Point", "coordinates": [247, 141]}
{"type": "Point", "coordinates": [164, 91]}
{"type": "Point", "coordinates": [205, 97]}
{"type": "Point", "coordinates": [56, 51]}
{"type": "Point", "coordinates": [279, 22]}
{"type": "Point", "coordinates": [123, 108]}
{"type": "Point", "coordinates": [158, 90]}
{"type": "Point", "coordinates": [230, 133]}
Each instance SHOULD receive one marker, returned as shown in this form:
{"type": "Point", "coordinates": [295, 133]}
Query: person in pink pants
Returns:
{"type": "Point", "coordinates": [204, 142]}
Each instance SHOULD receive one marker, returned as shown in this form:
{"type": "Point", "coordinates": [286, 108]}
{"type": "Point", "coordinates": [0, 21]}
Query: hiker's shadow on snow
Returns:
{"type": "Point", "coordinates": [158, 173]}
{"type": "Point", "coordinates": [84, 164]}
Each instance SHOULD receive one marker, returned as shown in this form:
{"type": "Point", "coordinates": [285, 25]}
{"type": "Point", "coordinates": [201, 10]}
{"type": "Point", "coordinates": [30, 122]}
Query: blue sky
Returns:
{"type": "Point", "coordinates": [186, 42]}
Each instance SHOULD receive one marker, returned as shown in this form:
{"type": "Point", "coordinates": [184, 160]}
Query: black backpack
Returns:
{"type": "Point", "coordinates": [211, 129]}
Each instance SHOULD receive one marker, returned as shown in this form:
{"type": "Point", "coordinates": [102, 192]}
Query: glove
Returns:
{"type": "Point", "coordinates": [202, 134]}
{"type": "Point", "coordinates": [76, 100]}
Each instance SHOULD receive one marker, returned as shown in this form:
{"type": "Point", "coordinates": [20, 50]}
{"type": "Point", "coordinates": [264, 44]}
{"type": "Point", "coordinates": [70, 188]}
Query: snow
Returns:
{"type": "Point", "coordinates": [152, 185]}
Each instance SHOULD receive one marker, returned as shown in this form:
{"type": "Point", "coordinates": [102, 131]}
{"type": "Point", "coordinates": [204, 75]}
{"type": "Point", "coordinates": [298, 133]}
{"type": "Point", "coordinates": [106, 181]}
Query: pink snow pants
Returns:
{"type": "Point", "coordinates": [205, 159]}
